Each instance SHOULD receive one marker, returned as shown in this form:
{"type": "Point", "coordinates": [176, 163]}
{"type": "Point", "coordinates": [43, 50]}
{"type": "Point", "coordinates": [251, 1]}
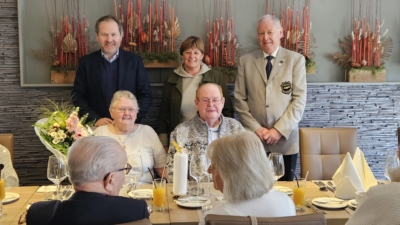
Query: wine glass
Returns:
{"type": "Point", "coordinates": [196, 168]}
{"type": "Point", "coordinates": [391, 162]}
{"type": "Point", "coordinates": [56, 171]}
{"type": "Point", "coordinates": [204, 169]}
{"type": "Point", "coordinates": [136, 173]}
{"type": "Point", "coordinates": [277, 165]}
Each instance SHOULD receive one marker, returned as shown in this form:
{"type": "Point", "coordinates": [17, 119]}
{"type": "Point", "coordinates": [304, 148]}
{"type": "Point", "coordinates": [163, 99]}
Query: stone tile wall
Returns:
{"type": "Point", "coordinates": [373, 109]}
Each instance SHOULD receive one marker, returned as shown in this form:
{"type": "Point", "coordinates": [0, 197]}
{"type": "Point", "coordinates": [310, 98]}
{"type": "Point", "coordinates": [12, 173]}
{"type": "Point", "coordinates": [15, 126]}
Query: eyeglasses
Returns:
{"type": "Point", "coordinates": [206, 101]}
{"type": "Point", "coordinates": [126, 169]}
{"type": "Point", "coordinates": [129, 110]}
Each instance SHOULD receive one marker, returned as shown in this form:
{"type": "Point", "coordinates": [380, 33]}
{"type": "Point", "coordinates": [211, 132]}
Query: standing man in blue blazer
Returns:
{"type": "Point", "coordinates": [103, 72]}
{"type": "Point", "coordinates": [270, 93]}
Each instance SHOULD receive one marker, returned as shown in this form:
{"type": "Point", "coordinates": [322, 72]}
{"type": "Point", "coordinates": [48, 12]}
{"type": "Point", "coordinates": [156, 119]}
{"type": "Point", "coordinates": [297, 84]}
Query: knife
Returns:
{"type": "Point", "coordinates": [330, 189]}
{"type": "Point", "coordinates": [314, 209]}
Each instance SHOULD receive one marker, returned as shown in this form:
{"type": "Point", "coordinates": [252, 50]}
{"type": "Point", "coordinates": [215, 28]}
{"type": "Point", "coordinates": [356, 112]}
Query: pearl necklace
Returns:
{"type": "Point", "coordinates": [119, 139]}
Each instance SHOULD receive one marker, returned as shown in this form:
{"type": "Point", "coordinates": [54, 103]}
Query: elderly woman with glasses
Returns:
{"type": "Point", "coordinates": [240, 170]}
{"type": "Point", "coordinates": [207, 125]}
{"type": "Point", "coordinates": [136, 139]}
{"type": "Point", "coordinates": [179, 89]}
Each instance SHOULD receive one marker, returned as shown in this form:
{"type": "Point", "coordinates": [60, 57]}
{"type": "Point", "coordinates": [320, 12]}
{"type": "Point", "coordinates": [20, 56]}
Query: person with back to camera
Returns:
{"type": "Point", "coordinates": [241, 157]}
{"type": "Point", "coordinates": [180, 89]}
{"type": "Point", "coordinates": [97, 166]}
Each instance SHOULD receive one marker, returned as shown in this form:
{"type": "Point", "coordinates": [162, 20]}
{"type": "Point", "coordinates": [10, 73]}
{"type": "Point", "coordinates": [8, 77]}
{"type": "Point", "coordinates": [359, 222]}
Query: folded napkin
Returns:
{"type": "Point", "coordinates": [347, 178]}
{"type": "Point", "coordinates": [49, 188]}
{"type": "Point", "coordinates": [363, 170]}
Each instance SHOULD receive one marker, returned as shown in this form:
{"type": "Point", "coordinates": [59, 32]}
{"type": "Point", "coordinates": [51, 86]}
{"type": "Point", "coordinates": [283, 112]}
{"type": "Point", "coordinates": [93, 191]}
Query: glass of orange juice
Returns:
{"type": "Point", "coordinates": [2, 193]}
{"type": "Point", "coordinates": [159, 192]}
{"type": "Point", "coordinates": [299, 193]}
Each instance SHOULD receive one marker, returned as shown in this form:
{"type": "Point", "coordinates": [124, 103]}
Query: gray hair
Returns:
{"type": "Point", "coordinates": [123, 94]}
{"type": "Point", "coordinates": [275, 19]}
{"type": "Point", "coordinates": [241, 157]}
{"type": "Point", "coordinates": [91, 158]}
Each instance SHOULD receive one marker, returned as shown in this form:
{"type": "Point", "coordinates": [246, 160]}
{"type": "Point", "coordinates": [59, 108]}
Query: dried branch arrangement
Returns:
{"type": "Point", "coordinates": [150, 29]}
{"type": "Point", "coordinates": [296, 24]}
{"type": "Point", "coordinates": [69, 35]}
{"type": "Point", "coordinates": [222, 42]}
{"type": "Point", "coordinates": [366, 46]}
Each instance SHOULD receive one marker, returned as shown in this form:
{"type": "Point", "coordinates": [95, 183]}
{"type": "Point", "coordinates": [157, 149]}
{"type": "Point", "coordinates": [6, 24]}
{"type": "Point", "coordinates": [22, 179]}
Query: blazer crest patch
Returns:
{"type": "Point", "coordinates": [286, 87]}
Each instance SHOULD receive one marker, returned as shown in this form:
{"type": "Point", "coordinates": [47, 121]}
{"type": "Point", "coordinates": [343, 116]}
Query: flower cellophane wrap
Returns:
{"type": "Point", "coordinates": [58, 132]}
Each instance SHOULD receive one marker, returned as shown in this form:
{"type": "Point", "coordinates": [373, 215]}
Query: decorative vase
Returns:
{"type": "Point", "coordinates": [156, 64]}
{"type": "Point", "coordinates": [362, 75]}
{"type": "Point", "coordinates": [63, 77]}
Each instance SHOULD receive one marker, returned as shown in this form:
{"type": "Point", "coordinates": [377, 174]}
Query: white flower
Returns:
{"type": "Point", "coordinates": [55, 141]}
{"type": "Point", "coordinates": [53, 134]}
{"type": "Point", "coordinates": [63, 135]}
{"type": "Point", "coordinates": [60, 131]}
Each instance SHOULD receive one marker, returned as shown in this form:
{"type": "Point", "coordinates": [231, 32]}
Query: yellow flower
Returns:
{"type": "Point", "coordinates": [63, 135]}
{"type": "Point", "coordinates": [60, 131]}
{"type": "Point", "coordinates": [56, 125]}
{"type": "Point", "coordinates": [55, 141]}
{"type": "Point", "coordinates": [53, 134]}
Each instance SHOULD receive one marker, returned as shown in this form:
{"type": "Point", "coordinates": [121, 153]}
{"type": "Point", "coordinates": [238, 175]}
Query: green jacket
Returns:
{"type": "Point", "coordinates": [171, 99]}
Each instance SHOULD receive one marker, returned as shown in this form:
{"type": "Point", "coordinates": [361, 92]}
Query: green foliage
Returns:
{"type": "Point", "coordinates": [230, 71]}
{"type": "Point", "coordinates": [374, 69]}
{"type": "Point", "coordinates": [158, 56]}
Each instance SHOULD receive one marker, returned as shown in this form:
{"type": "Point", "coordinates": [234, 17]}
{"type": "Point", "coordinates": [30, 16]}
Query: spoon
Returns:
{"type": "Point", "coordinates": [321, 187]}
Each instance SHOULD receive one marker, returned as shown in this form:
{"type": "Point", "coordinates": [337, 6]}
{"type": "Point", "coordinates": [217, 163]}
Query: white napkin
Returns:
{"type": "Point", "coordinates": [42, 189]}
{"type": "Point", "coordinates": [347, 179]}
{"type": "Point", "coordinates": [363, 170]}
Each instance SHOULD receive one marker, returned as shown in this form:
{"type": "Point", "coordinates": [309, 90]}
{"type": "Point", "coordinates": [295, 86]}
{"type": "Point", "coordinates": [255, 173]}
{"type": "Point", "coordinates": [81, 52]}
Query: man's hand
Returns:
{"type": "Point", "coordinates": [103, 121]}
{"type": "Point", "coordinates": [262, 133]}
{"type": "Point", "coordinates": [273, 136]}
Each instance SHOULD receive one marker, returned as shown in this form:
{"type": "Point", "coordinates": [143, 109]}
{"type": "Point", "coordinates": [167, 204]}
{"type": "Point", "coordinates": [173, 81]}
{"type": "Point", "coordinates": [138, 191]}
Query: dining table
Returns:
{"type": "Point", "coordinates": [173, 213]}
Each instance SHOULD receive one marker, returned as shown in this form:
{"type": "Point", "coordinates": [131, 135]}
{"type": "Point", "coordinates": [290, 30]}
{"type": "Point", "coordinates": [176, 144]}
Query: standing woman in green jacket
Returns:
{"type": "Point", "coordinates": [177, 103]}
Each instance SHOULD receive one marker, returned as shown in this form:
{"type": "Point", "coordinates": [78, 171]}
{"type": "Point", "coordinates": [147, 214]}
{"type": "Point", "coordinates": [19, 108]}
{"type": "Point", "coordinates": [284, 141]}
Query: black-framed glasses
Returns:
{"type": "Point", "coordinates": [126, 169]}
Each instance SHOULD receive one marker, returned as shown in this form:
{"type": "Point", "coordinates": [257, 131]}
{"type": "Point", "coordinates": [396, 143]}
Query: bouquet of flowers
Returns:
{"type": "Point", "coordinates": [60, 129]}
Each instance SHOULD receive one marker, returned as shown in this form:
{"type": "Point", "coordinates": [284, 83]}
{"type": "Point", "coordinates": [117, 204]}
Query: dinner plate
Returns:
{"type": "Point", "coordinates": [283, 189]}
{"type": "Point", "coordinates": [141, 193]}
{"type": "Point", "coordinates": [10, 197]}
{"type": "Point", "coordinates": [352, 203]}
{"type": "Point", "coordinates": [191, 202]}
{"type": "Point", "coordinates": [331, 203]}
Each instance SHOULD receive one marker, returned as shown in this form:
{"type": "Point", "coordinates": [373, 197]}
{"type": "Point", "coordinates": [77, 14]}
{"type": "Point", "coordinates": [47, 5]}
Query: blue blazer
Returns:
{"type": "Point", "coordinates": [88, 94]}
{"type": "Point", "coordinates": [84, 208]}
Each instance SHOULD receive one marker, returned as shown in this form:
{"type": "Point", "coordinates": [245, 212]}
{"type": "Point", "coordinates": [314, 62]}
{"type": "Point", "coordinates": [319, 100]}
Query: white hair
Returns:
{"type": "Point", "coordinates": [91, 158]}
{"type": "Point", "coordinates": [275, 19]}
{"type": "Point", "coordinates": [241, 157]}
{"type": "Point", "coordinates": [123, 94]}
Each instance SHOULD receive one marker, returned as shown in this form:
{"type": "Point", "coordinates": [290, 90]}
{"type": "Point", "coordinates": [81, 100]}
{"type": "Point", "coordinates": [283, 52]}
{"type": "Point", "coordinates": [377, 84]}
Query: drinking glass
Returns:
{"type": "Point", "coordinates": [205, 171]}
{"type": "Point", "coordinates": [299, 193]}
{"type": "Point", "coordinates": [56, 171]}
{"type": "Point", "coordinates": [391, 162]}
{"type": "Point", "coordinates": [159, 191]}
{"type": "Point", "coordinates": [136, 173]}
{"type": "Point", "coordinates": [2, 193]}
{"type": "Point", "coordinates": [277, 164]}
{"type": "Point", "coordinates": [196, 168]}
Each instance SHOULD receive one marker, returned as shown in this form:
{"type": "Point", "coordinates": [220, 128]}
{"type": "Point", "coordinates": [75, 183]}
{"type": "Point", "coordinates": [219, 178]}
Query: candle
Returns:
{"type": "Point", "coordinates": [180, 173]}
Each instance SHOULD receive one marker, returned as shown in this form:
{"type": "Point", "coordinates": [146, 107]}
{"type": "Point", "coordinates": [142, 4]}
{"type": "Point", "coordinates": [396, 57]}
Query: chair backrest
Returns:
{"type": "Point", "coordinates": [138, 222]}
{"type": "Point", "coordinates": [323, 149]}
{"type": "Point", "coordinates": [7, 140]}
{"type": "Point", "coordinates": [307, 219]}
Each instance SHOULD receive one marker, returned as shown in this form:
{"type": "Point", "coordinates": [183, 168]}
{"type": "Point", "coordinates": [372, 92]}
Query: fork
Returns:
{"type": "Point", "coordinates": [332, 185]}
